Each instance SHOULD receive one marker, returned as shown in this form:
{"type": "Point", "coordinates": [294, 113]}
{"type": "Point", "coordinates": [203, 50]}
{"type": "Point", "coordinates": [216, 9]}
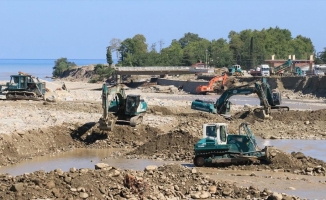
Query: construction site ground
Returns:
{"type": "Point", "coordinates": [32, 129]}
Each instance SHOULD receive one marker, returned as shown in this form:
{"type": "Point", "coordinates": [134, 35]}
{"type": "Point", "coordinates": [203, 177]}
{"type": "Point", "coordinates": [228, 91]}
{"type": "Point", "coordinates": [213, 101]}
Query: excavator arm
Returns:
{"type": "Point", "coordinates": [223, 103]}
{"type": "Point", "coordinates": [281, 68]}
{"type": "Point", "coordinates": [108, 119]}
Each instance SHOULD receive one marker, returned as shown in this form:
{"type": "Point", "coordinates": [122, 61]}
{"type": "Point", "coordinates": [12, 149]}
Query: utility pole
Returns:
{"type": "Point", "coordinates": [206, 58]}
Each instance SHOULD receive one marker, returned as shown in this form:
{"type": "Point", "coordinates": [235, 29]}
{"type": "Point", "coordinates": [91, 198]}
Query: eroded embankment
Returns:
{"type": "Point", "coordinates": [315, 85]}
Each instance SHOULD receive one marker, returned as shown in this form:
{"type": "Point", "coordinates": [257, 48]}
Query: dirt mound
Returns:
{"type": "Point", "coordinates": [79, 73]}
{"type": "Point", "coordinates": [296, 162]}
{"type": "Point", "coordinates": [123, 136]}
{"type": "Point", "coordinates": [105, 182]}
{"type": "Point", "coordinates": [294, 115]}
{"type": "Point", "coordinates": [176, 145]}
{"type": "Point", "coordinates": [160, 110]}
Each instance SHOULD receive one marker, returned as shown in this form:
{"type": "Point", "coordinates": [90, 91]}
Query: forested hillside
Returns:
{"type": "Point", "coordinates": [247, 48]}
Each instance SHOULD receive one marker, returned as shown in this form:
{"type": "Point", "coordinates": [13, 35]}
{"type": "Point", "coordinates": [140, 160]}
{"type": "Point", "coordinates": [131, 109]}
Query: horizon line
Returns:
{"type": "Point", "coordinates": [52, 58]}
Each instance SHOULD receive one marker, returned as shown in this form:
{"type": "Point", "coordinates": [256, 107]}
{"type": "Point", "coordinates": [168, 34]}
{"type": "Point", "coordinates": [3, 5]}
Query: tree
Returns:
{"type": "Point", "coordinates": [61, 65]}
{"type": "Point", "coordinates": [109, 56]}
{"type": "Point", "coordinates": [115, 44]}
{"type": "Point", "coordinates": [133, 51]}
{"type": "Point", "coordinates": [187, 38]}
{"type": "Point", "coordinates": [220, 53]}
{"type": "Point", "coordinates": [172, 55]}
{"type": "Point", "coordinates": [321, 57]}
{"type": "Point", "coordinates": [103, 71]}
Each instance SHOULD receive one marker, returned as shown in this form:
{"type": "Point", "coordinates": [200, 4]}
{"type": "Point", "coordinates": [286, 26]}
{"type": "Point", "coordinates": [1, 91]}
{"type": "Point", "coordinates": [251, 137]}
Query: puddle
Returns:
{"type": "Point", "coordinates": [79, 158]}
{"type": "Point", "coordinates": [312, 148]}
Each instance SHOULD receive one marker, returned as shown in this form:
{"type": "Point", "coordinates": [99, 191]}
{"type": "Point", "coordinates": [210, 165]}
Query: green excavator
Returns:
{"type": "Point", "coordinates": [269, 99]}
{"type": "Point", "coordinates": [121, 108]}
{"type": "Point", "coordinates": [219, 147]}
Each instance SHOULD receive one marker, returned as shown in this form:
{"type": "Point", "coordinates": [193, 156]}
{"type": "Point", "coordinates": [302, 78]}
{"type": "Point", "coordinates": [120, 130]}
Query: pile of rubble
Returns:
{"type": "Point", "coordinates": [106, 182]}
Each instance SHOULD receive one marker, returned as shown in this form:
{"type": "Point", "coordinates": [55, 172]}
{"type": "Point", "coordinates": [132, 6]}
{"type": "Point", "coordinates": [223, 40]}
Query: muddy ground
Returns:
{"type": "Point", "coordinates": [169, 132]}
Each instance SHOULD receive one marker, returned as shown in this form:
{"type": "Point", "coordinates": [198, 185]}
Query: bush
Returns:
{"type": "Point", "coordinates": [60, 66]}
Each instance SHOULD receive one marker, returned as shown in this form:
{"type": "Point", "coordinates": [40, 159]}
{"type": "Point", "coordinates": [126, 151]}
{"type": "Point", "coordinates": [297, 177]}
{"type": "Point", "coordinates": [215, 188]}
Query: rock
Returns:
{"type": "Point", "coordinates": [151, 168]}
{"type": "Point", "coordinates": [101, 165]}
{"type": "Point", "coordinates": [102, 190]}
{"type": "Point", "coordinates": [275, 196]}
{"type": "Point", "coordinates": [58, 171]}
{"type": "Point", "coordinates": [205, 195]}
{"type": "Point", "coordinates": [18, 187]}
{"type": "Point", "coordinates": [56, 192]}
{"type": "Point", "coordinates": [50, 185]}
{"type": "Point", "coordinates": [212, 189]}
{"type": "Point", "coordinates": [83, 195]}
{"type": "Point", "coordinates": [194, 171]}
{"type": "Point", "coordinates": [309, 169]}
{"type": "Point", "coordinates": [115, 173]}
{"type": "Point", "coordinates": [306, 122]}
{"type": "Point", "coordinates": [81, 189]}
{"type": "Point", "coordinates": [196, 195]}
{"type": "Point", "coordinates": [72, 170]}
{"type": "Point", "coordinates": [291, 188]}
{"type": "Point", "coordinates": [67, 179]}
{"type": "Point", "coordinates": [227, 191]}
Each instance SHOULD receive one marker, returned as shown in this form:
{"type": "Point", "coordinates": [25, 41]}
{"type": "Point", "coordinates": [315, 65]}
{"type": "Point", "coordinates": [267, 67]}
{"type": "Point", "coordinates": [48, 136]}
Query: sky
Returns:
{"type": "Point", "coordinates": [82, 29]}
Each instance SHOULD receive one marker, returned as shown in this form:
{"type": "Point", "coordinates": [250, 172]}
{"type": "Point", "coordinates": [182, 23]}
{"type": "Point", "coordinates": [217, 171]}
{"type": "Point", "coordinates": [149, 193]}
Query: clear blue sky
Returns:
{"type": "Point", "coordinates": [82, 29]}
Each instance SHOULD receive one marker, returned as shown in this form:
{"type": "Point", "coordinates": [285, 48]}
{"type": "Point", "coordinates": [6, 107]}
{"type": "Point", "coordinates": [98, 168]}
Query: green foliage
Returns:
{"type": "Point", "coordinates": [247, 48]}
{"type": "Point", "coordinates": [109, 56]}
{"type": "Point", "coordinates": [321, 57]}
{"type": "Point", "coordinates": [102, 72]}
{"type": "Point", "coordinates": [61, 65]}
{"type": "Point", "coordinates": [133, 51]}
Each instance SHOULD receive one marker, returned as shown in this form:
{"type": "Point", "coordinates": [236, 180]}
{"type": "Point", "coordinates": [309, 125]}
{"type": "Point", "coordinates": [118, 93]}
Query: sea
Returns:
{"type": "Point", "coordinates": [40, 68]}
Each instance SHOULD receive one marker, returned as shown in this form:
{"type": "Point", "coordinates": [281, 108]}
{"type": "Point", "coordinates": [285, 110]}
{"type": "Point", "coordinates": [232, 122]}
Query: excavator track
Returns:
{"type": "Point", "coordinates": [237, 158]}
{"type": "Point", "coordinates": [22, 96]}
{"type": "Point", "coordinates": [280, 108]}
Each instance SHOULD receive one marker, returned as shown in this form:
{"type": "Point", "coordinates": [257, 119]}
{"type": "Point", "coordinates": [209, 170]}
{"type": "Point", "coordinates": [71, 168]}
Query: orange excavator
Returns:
{"type": "Point", "coordinates": [205, 89]}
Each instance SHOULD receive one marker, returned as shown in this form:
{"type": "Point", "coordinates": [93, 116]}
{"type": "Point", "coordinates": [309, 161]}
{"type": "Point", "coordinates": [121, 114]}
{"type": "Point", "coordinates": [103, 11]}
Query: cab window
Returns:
{"type": "Point", "coordinates": [222, 134]}
{"type": "Point", "coordinates": [211, 131]}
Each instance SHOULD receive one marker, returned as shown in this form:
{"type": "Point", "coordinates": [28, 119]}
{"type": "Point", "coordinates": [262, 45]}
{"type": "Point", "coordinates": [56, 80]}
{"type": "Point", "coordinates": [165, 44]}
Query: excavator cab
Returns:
{"type": "Point", "coordinates": [132, 103]}
{"type": "Point", "coordinates": [277, 98]}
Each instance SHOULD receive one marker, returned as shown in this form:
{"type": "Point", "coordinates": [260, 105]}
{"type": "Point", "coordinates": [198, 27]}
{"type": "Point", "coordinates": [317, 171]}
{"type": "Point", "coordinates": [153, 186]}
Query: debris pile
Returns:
{"type": "Point", "coordinates": [106, 182]}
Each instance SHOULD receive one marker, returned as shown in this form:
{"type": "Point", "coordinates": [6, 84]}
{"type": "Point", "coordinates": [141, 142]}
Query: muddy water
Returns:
{"type": "Point", "coordinates": [79, 158]}
{"type": "Point", "coordinates": [312, 148]}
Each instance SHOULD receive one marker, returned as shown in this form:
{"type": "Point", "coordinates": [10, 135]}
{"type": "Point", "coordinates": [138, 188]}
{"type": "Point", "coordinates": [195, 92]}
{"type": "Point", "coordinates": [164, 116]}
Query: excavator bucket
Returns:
{"type": "Point", "coordinates": [269, 153]}
{"type": "Point", "coordinates": [261, 113]}
{"type": "Point", "coordinates": [107, 124]}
